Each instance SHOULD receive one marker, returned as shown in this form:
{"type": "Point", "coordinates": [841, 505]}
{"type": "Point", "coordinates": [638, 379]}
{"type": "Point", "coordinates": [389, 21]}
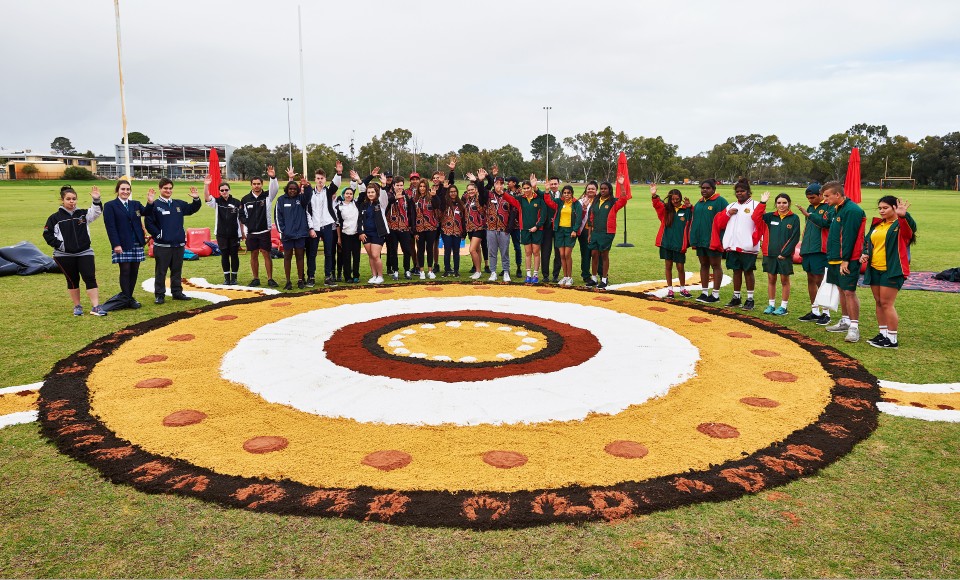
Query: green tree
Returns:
{"type": "Point", "coordinates": [468, 148]}
{"type": "Point", "coordinates": [246, 165]}
{"type": "Point", "coordinates": [30, 170]}
{"type": "Point", "coordinates": [797, 163]}
{"type": "Point", "coordinates": [832, 156]}
{"type": "Point", "coordinates": [74, 173]}
{"type": "Point", "coordinates": [538, 147]}
{"type": "Point", "coordinates": [651, 158]}
{"type": "Point", "coordinates": [938, 160]}
{"type": "Point", "coordinates": [62, 146]}
{"type": "Point", "coordinates": [137, 138]}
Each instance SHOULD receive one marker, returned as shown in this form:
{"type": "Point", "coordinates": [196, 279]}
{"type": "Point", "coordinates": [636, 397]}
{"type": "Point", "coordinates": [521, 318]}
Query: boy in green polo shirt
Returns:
{"type": "Point", "coordinates": [701, 231]}
{"type": "Point", "coordinates": [813, 250]}
{"type": "Point", "coordinates": [844, 246]}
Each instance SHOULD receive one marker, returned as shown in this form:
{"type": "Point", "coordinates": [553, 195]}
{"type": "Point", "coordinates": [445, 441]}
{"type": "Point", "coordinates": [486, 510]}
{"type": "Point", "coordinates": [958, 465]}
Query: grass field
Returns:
{"type": "Point", "coordinates": [890, 508]}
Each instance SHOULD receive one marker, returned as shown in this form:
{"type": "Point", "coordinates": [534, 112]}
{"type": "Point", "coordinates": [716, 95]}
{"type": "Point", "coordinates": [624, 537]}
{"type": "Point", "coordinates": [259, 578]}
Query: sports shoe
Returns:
{"type": "Point", "coordinates": [289, 286]}
{"type": "Point", "coordinates": [888, 344]}
{"type": "Point", "coordinates": [686, 293]}
{"type": "Point", "coordinates": [841, 326]}
{"type": "Point", "coordinates": [372, 280]}
{"type": "Point", "coordinates": [877, 340]}
{"type": "Point", "coordinates": [602, 285]}
{"type": "Point", "coordinates": [519, 272]}
{"type": "Point", "coordinates": [506, 276]}
{"type": "Point", "coordinates": [301, 284]}
{"type": "Point", "coordinates": [487, 269]}
{"type": "Point", "coordinates": [98, 311]}
{"type": "Point", "coordinates": [569, 282]}
{"type": "Point", "coordinates": [735, 301]}
{"type": "Point", "coordinates": [78, 310]}
{"type": "Point", "coordinates": [711, 299]}
{"type": "Point", "coordinates": [183, 297]}
{"type": "Point", "coordinates": [527, 280]}
{"type": "Point", "coordinates": [311, 282]}
{"type": "Point", "coordinates": [226, 279]}
{"type": "Point", "coordinates": [823, 320]}
{"type": "Point", "coordinates": [395, 275]}
{"type": "Point", "coordinates": [591, 283]}
{"type": "Point", "coordinates": [670, 294]}
{"type": "Point", "coordinates": [535, 279]}
{"type": "Point", "coordinates": [272, 283]}
{"type": "Point", "coordinates": [492, 278]}
{"type": "Point", "coordinates": [768, 310]}
{"type": "Point", "coordinates": [431, 275]}
{"type": "Point", "coordinates": [780, 311]}
{"type": "Point", "coordinates": [254, 283]}
{"type": "Point", "coordinates": [809, 317]}
{"type": "Point", "coordinates": [556, 280]}
{"type": "Point", "coordinates": [748, 304]}
{"type": "Point", "coordinates": [853, 335]}
{"type": "Point", "coordinates": [329, 281]}
{"type": "Point", "coordinates": [475, 276]}
{"type": "Point", "coordinates": [703, 297]}
{"type": "Point", "coordinates": [423, 275]}
{"type": "Point", "coordinates": [406, 274]}
{"type": "Point", "coordinates": [159, 300]}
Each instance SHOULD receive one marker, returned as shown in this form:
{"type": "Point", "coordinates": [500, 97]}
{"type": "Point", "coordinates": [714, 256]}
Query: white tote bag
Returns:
{"type": "Point", "coordinates": [828, 295]}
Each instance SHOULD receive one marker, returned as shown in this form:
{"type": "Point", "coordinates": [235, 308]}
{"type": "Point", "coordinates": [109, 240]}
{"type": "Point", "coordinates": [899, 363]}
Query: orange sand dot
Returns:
{"type": "Point", "coordinates": [280, 304]}
{"type": "Point", "coordinates": [699, 319]}
{"type": "Point", "coordinates": [718, 430]}
{"type": "Point", "coordinates": [657, 308]}
{"type": "Point", "coordinates": [739, 335]}
{"type": "Point", "coordinates": [265, 444]}
{"type": "Point", "coordinates": [154, 383]}
{"type": "Point", "coordinates": [626, 449]}
{"type": "Point", "coordinates": [384, 291]}
{"type": "Point", "coordinates": [181, 338]}
{"type": "Point", "coordinates": [226, 317]}
{"type": "Point", "coordinates": [545, 291]}
{"type": "Point", "coordinates": [504, 459]}
{"type": "Point", "coordinates": [603, 298]}
{"type": "Point", "coordinates": [387, 460]}
{"type": "Point", "coordinates": [781, 376]}
{"type": "Point", "coordinates": [434, 289]}
{"type": "Point", "coordinates": [760, 402]}
{"type": "Point", "coordinates": [183, 418]}
{"type": "Point", "coordinates": [152, 359]}
{"type": "Point", "coordinates": [853, 384]}
{"type": "Point", "coordinates": [766, 353]}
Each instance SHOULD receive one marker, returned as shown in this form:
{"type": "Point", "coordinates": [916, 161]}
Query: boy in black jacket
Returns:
{"type": "Point", "coordinates": [164, 221]}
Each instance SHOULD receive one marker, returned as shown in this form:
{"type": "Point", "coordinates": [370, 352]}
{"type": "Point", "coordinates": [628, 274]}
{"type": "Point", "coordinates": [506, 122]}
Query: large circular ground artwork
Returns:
{"type": "Point", "coordinates": [478, 406]}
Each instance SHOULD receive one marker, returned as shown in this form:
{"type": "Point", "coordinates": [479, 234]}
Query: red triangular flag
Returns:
{"type": "Point", "coordinates": [214, 171]}
{"type": "Point", "coordinates": [622, 170]}
{"type": "Point", "coordinates": [851, 185]}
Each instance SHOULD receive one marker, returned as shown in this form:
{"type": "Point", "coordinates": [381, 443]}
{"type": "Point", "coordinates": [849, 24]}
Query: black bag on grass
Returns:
{"type": "Point", "coordinates": [8, 268]}
{"type": "Point", "coordinates": [950, 275]}
{"type": "Point", "coordinates": [29, 259]}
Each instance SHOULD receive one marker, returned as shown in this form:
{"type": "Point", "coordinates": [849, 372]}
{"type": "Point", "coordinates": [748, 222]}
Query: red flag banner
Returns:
{"type": "Point", "coordinates": [625, 173]}
{"type": "Point", "coordinates": [214, 172]}
{"type": "Point", "coordinates": [851, 186]}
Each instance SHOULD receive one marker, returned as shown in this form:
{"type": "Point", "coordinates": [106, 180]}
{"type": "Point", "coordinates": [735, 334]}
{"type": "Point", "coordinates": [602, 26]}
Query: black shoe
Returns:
{"type": "Point", "coordinates": [328, 281]}
{"type": "Point", "coordinates": [555, 279]}
{"type": "Point", "coordinates": [748, 305]}
{"type": "Point", "coordinates": [133, 303]}
{"type": "Point", "coordinates": [456, 273]}
{"type": "Point", "coordinates": [289, 286]}
{"type": "Point", "coordinates": [254, 283]}
{"type": "Point", "coordinates": [602, 285]}
{"type": "Point", "coordinates": [473, 269]}
{"type": "Point", "coordinates": [703, 297]}
{"type": "Point", "coordinates": [877, 340]}
{"type": "Point", "coordinates": [486, 269]}
{"type": "Point", "coordinates": [233, 280]}
{"type": "Point", "coordinates": [591, 282]}
{"type": "Point", "coordinates": [809, 317]}
{"type": "Point", "coordinates": [311, 282]}
{"type": "Point", "coordinates": [711, 299]}
{"type": "Point", "coordinates": [300, 284]}
{"type": "Point", "coordinates": [227, 279]}
{"type": "Point", "coordinates": [733, 302]}
{"type": "Point", "coordinates": [181, 297]}
{"type": "Point", "coordinates": [824, 320]}
{"type": "Point", "coordinates": [888, 344]}
{"type": "Point", "coordinates": [159, 300]}
{"type": "Point", "coordinates": [340, 278]}
{"type": "Point", "coordinates": [272, 283]}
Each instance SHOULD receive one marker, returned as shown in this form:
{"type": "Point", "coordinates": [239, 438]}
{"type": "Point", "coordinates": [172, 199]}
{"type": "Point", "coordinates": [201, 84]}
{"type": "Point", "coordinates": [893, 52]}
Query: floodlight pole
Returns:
{"type": "Point", "coordinates": [289, 134]}
{"type": "Point", "coordinates": [123, 103]}
{"type": "Point", "coordinates": [303, 100]}
{"type": "Point", "coordinates": [547, 176]}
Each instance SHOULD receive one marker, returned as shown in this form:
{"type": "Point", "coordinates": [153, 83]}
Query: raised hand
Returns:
{"type": "Point", "coordinates": [354, 176]}
{"type": "Point", "coordinates": [620, 180]}
{"type": "Point", "coordinates": [95, 192]}
{"type": "Point", "coordinates": [653, 190]}
{"type": "Point", "coordinates": [151, 195]}
{"type": "Point", "coordinates": [471, 176]}
{"type": "Point", "coordinates": [482, 173]}
{"type": "Point", "coordinates": [207, 181]}
{"type": "Point", "coordinates": [376, 170]}
{"type": "Point", "coordinates": [194, 193]}
{"type": "Point", "coordinates": [533, 181]}
{"type": "Point", "coordinates": [902, 207]}
{"type": "Point", "coordinates": [453, 163]}
{"type": "Point", "coordinates": [339, 166]}
{"type": "Point", "coordinates": [271, 172]}
{"type": "Point", "coordinates": [290, 173]}
{"type": "Point", "coordinates": [765, 197]}
{"type": "Point", "coordinates": [686, 202]}
{"type": "Point", "coordinates": [383, 179]}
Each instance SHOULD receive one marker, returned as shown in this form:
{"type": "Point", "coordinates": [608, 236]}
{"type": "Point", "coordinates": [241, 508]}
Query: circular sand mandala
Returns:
{"type": "Point", "coordinates": [458, 405]}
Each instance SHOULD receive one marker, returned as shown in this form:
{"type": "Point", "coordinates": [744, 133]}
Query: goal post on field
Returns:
{"type": "Point", "coordinates": [894, 179]}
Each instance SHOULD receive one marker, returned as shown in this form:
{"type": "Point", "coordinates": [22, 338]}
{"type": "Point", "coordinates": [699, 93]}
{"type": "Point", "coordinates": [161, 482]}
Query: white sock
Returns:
{"type": "Point", "coordinates": [594, 278]}
{"type": "Point", "coordinates": [749, 295]}
{"type": "Point", "coordinates": [716, 294]}
{"type": "Point", "coordinates": [736, 294]}
{"type": "Point", "coordinates": [783, 304]}
{"type": "Point", "coordinates": [892, 336]}
{"type": "Point", "coordinates": [528, 273]}
{"type": "Point", "coordinates": [844, 320]}
{"type": "Point", "coordinates": [854, 324]}
{"type": "Point", "coordinates": [815, 309]}
{"type": "Point", "coordinates": [604, 280]}
{"type": "Point", "coordinates": [771, 302]}
{"type": "Point", "coordinates": [883, 331]}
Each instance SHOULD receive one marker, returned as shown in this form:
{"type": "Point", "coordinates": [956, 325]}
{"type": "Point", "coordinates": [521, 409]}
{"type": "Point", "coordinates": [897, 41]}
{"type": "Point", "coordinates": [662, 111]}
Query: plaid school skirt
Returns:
{"type": "Point", "coordinates": [134, 255]}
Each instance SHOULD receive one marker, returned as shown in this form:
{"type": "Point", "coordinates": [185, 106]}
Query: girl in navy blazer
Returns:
{"type": "Point", "coordinates": [123, 219]}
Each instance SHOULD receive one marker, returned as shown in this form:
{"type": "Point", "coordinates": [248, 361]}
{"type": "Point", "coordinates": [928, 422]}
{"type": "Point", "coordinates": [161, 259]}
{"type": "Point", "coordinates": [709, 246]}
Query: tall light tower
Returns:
{"type": "Point", "coordinates": [289, 133]}
{"type": "Point", "coordinates": [547, 176]}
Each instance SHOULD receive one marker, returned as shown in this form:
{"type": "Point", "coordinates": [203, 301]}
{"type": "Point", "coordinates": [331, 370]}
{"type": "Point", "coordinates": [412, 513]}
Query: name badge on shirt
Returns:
{"type": "Point", "coordinates": [249, 206]}
{"type": "Point", "coordinates": [288, 205]}
{"type": "Point", "coordinates": [456, 212]}
{"type": "Point", "coordinates": [774, 223]}
{"type": "Point", "coordinates": [493, 201]}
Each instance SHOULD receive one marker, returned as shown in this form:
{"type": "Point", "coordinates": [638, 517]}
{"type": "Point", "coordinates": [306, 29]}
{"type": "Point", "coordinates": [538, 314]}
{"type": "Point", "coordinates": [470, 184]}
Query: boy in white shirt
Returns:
{"type": "Point", "coordinates": [741, 240]}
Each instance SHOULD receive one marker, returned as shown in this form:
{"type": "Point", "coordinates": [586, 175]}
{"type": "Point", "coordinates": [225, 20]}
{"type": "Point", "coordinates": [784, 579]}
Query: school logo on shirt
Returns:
{"type": "Point", "coordinates": [789, 226]}
{"type": "Point", "coordinates": [838, 218]}
{"type": "Point", "coordinates": [710, 207]}
{"type": "Point", "coordinates": [746, 210]}
{"type": "Point", "coordinates": [178, 210]}
{"type": "Point", "coordinates": [683, 218]}
{"type": "Point", "coordinates": [820, 212]}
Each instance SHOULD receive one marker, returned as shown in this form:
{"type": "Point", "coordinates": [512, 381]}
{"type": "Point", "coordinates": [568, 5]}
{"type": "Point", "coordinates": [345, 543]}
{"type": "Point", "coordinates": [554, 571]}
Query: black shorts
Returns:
{"type": "Point", "coordinates": [294, 243]}
{"type": "Point", "coordinates": [259, 242]}
{"type": "Point", "coordinates": [228, 245]}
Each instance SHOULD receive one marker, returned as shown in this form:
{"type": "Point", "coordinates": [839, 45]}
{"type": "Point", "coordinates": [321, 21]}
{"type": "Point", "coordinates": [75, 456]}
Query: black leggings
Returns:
{"type": "Point", "coordinates": [75, 267]}
{"type": "Point", "coordinates": [229, 254]}
{"type": "Point", "coordinates": [351, 255]}
{"type": "Point", "coordinates": [404, 241]}
{"type": "Point", "coordinates": [128, 277]}
{"type": "Point", "coordinates": [451, 247]}
{"type": "Point", "coordinates": [426, 243]}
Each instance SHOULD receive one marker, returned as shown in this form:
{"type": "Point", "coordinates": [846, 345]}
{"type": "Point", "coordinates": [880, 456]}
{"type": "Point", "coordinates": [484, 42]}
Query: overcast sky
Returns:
{"type": "Point", "coordinates": [695, 72]}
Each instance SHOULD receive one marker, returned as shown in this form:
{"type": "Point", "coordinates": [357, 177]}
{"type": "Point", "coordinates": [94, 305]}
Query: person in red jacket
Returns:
{"type": "Point", "coordinates": [602, 221]}
{"type": "Point", "coordinates": [741, 225]}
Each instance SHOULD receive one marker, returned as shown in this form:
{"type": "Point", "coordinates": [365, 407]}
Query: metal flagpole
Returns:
{"type": "Point", "coordinates": [547, 176]}
{"type": "Point", "coordinates": [123, 103]}
{"type": "Point", "coordinates": [303, 101]}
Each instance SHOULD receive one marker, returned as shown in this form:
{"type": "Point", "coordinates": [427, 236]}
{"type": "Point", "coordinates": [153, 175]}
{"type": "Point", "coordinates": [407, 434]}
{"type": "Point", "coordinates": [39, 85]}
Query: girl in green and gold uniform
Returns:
{"type": "Point", "coordinates": [779, 243]}
{"type": "Point", "coordinates": [673, 236]}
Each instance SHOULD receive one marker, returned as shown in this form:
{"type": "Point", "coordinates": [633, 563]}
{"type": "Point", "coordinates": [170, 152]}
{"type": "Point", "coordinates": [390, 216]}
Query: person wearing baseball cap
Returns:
{"type": "Point", "coordinates": [813, 250]}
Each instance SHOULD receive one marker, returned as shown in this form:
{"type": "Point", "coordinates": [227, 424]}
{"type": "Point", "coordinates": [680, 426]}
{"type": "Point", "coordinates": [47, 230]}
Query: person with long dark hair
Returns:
{"type": "Point", "coordinates": [123, 220]}
{"type": "Point", "coordinates": [401, 218]}
{"type": "Point", "coordinates": [68, 232]}
{"type": "Point", "coordinates": [705, 212]}
{"type": "Point", "coordinates": [887, 258]}
{"type": "Point", "coordinates": [475, 220]}
{"type": "Point", "coordinates": [532, 212]}
{"type": "Point", "coordinates": [673, 235]}
{"type": "Point", "coordinates": [567, 217]}
{"type": "Point", "coordinates": [603, 228]}
{"type": "Point", "coordinates": [586, 201]}
{"type": "Point", "coordinates": [452, 214]}
{"type": "Point", "coordinates": [780, 238]}
{"type": "Point", "coordinates": [374, 228]}
{"type": "Point", "coordinates": [427, 223]}
{"type": "Point", "coordinates": [348, 234]}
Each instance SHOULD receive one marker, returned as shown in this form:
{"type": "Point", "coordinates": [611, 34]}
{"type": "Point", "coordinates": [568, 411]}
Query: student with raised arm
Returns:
{"type": "Point", "coordinates": [322, 225]}
{"type": "Point", "coordinates": [567, 219]}
{"type": "Point", "coordinates": [740, 223]}
{"type": "Point", "coordinates": [603, 228]}
{"type": "Point", "coordinates": [373, 226]}
{"type": "Point", "coordinates": [673, 235]}
{"type": "Point", "coordinates": [705, 211]}
{"type": "Point", "coordinates": [475, 219]}
{"type": "Point", "coordinates": [257, 217]}
{"type": "Point", "coordinates": [533, 213]}
{"type": "Point", "coordinates": [291, 212]}
{"type": "Point", "coordinates": [68, 232]}
{"type": "Point", "coordinates": [227, 228]}
{"type": "Point", "coordinates": [452, 226]}
{"type": "Point", "coordinates": [164, 221]}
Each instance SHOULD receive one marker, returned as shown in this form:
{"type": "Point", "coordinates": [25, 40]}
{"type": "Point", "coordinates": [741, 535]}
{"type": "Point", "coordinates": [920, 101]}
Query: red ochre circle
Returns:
{"type": "Point", "coordinates": [718, 430]}
{"type": "Point", "coordinates": [152, 359]}
{"type": "Point", "coordinates": [184, 418]}
{"type": "Point", "coordinates": [154, 383]}
{"type": "Point", "coordinates": [626, 449]}
{"type": "Point", "coordinates": [387, 460]}
{"type": "Point", "coordinates": [265, 444]}
{"type": "Point", "coordinates": [504, 459]}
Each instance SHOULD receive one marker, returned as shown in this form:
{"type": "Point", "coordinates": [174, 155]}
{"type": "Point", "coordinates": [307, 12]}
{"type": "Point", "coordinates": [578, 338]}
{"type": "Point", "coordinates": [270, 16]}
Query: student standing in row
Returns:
{"type": "Point", "coordinates": [553, 192]}
{"type": "Point", "coordinates": [122, 218]}
{"type": "Point", "coordinates": [321, 223]}
{"type": "Point", "coordinates": [673, 235]}
{"type": "Point", "coordinates": [740, 224]}
{"type": "Point", "coordinates": [498, 235]}
{"type": "Point", "coordinates": [291, 218]}
{"type": "Point", "coordinates": [68, 232]}
{"type": "Point", "coordinates": [164, 221]}
{"type": "Point", "coordinates": [257, 217]}
{"type": "Point", "coordinates": [780, 239]}
{"type": "Point", "coordinates": [401, 217]}
{"type": "Point", "coordinates": [603, 228]}
{"type": "Point", "coordinates": [348, 234]}
{"type": "Point", "coordinates": [227, 228]}
{"type": "Point", "coordinates": [475, 220]}
{"type": "Point", "coordinates": [813, 250]}
{"type": "Point", "coordinates": [428, 222]}
{"type": "Point", "coordinates": [532, 214]}
{"type": "Point", "coordinates": [373, 227]}
{"type": "Point", "coordinates": [567, 221]}
{"type": "Point", "coordinates": [705, 212]}
{"type": "Point", "coordinates": [888, 264]}
{"type": "Point", "coordinates": [583, 234]}
{"type": "Point", "coordinates": [452, 227]}
{"type": "Point", "coordinates": [844, 248]}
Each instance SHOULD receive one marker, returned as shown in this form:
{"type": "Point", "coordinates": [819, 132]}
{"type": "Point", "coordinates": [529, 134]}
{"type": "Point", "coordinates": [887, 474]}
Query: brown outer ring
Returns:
{"type": "Point", "coordinates": [577, 346]}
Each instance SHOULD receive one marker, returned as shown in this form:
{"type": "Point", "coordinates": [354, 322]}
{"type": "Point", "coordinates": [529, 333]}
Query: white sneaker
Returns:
{"type": "Point", "coordinates": [396, 275]}
{"type": "Point", "coordinates": [372, 280]}
{"type": "Point", "coordinates": [568, 281]}
{"type": "Point", "coordinates": [476, 276]}
{"type": "Point", "coordinates": [841, 326]}
{"type": "Point", "coordinates": [492, 278]}
{"type": "Point", "coordinates": [423, 275]}
{"type": "Point", "coordinates": [431, 275]}
{"type": "Point", "coordinates": [853, 335]}
{"type": "Point", "coordinates": [506, 276]}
